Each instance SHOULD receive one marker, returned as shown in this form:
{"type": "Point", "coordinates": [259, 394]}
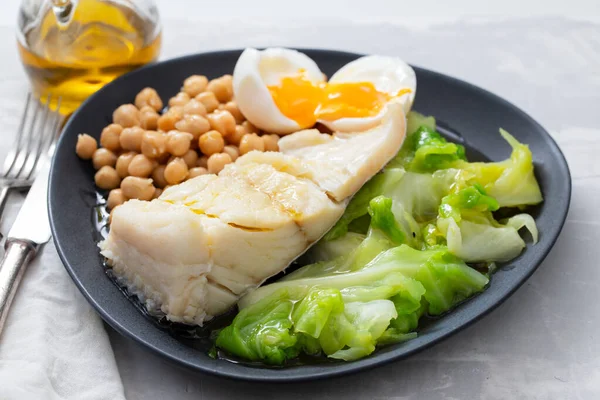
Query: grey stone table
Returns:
{"type": "Point", "coordinates": [542, 343]}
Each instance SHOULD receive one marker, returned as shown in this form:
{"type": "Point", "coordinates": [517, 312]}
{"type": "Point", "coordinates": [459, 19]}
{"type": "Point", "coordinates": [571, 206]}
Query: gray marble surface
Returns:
{"type": "Point", "coordinates": [540, 344]}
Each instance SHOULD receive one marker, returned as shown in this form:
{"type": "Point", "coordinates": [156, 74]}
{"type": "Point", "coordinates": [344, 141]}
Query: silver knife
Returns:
{"type": "Point", "coordinates": [29, 232]}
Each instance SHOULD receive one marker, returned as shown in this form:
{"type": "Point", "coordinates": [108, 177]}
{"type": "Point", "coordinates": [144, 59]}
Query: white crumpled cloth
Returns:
{"type": "Point", "coordinates": [54, 345]}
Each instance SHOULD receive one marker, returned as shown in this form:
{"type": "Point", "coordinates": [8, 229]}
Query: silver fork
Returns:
{"type": "Point", "coordinates": [36, 138]}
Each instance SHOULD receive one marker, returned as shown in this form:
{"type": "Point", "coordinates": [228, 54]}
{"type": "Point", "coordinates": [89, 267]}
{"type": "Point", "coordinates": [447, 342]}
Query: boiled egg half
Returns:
{"type": "Point", "coordinates": [283, 91]}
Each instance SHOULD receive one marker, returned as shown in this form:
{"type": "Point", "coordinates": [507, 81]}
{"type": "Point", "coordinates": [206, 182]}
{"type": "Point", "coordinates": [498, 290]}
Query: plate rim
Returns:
{"type": "Point", "coordinates": [341, 369]}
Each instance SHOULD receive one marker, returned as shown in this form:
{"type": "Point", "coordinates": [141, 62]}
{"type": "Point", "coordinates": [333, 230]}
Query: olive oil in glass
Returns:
{"type": "Point", "coordinates": [71, 48]}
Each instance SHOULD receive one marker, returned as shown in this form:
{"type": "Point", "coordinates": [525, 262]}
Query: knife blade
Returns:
{"type": "Point", "coordinates": [32, 221]}
{"type": "Point", "coordinates": [30, 230]}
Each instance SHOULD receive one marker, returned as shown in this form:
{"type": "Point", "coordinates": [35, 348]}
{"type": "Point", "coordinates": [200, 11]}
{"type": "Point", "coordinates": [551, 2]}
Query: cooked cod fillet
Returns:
{"type": "Point", "coordinates": [191, 253]}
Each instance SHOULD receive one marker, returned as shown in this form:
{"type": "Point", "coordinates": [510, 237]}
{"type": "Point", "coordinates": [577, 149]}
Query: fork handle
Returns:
{"type": "Point", "coordinates": [16, 257]}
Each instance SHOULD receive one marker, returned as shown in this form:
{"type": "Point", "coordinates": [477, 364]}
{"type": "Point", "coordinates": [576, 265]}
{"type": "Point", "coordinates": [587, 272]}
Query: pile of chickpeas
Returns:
{"type": "Point", "coordinates": [143, 151]}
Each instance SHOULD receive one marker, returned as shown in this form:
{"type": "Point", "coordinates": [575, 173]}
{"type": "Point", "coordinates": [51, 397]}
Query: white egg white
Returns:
{"type": "Point", "coordinates": [388, 74]}
{"type": "Point", "coordinates": [254, 71]}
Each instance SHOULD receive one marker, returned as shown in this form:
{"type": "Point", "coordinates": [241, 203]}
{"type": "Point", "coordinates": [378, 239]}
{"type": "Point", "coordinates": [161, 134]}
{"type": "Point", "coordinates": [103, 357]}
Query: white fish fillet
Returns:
{"type": "Point", "coordinates": [191, 253]}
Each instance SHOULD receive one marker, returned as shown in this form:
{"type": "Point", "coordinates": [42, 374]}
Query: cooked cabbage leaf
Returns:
{"type": "Point", "coordinates": [415, 120]}
{"type": "Point", "coordinates": [397, 253]}
{"type": "Point", "coordinates": [417, 194]}
{"type": "Point", "coordinates": [343, 314]}
{"type": "Point", "coordinates": [484, 239]}
{"type": "Point", "coordinates": [470, 231]}
{"type": "Point", "coordinates": [430, 151]}
{"type": "Point", "coordinates": [267, 325]}
{"type": "Point", "coordinates": [382, 218]}
{"type": "Point", "coordinates": [472, 198]}
{"type": "Point", "coordinates": [359, 204]}
{"type": "Point", "coordinates": [512, 181]}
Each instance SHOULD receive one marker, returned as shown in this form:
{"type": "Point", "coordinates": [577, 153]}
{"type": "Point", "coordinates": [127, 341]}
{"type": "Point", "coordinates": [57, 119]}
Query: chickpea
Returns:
{"type": "Point", "coordinates": [123, 162]}
{"type": "Point", "coordinates": [249, 127]}
{"type": "Point", "coordinates": [158, 176]}
{"type": "Point", "coordinates": [178, 143]}
{"type": "Point", "coordinates": [177, 111]}
{"type": "Point", "coordinates": [270, 142]}
{"type": "Point", "coordinates": [86, 146]}
{"type": "Point", "coordinates": [176, 171]}
{"type": "Point", "coordinates": [195, 84]}
{"type": "Point", "coordinates": [141, 166]}
{"type": "Point", "coordinates": [127, 116]}
{"type": "Point", "coordinates": [107, 178]}
{"type": "Point", "coordinates": [209, 100]}
{"type": "Point", "coordinates": [134, 187]}
{"type": "Point", "coordinates": [190, 158]}
{"type": "Point", "coordinates": [104, 157]}
{"type": "Point", "coordinates": [194, 107]}
{"type": "Point", "coordinates": [157, 193]}
{"type": "Point", "coordinates": [202, 162]}
{"type": "Point", "coordinates": [110, 137]}
{"type": "Point", "coordinates": [233, 109]}
{"type": "Point", "coordinates": [228, 80]}
{"type": "Point", "coordinates": [115, 198]}
{"type": "Point", "coordinates": [233, 152]}
{"type": "Point", "coordinates": [194, 124]}
{"type": "Point", "coordinates": [148, 109]}
{"type": "Point", "coordinates": [180, 99]}
{"type": "Point", "coordinates": [236, 137]}
{"type": "Point", "coordinates": [222, 121]}
{"type": "Point", "coordinates": [167, 121]}
{"type": "Point", "coordinates": [250, 142]}
{"type": "Point", "coordinates": [149, 118]}
{"type": "Point", "coordinates": [211, 142]}
{"type": "Point", "coordinates": [131, 138]}
{"type": "Point", "coordinates": [197, 171]}
{"type": "Point", "coordinates": [222, 88]}
{"type": "Point", "coordinates": [154, 144]}
{"type": "Point", "coordinates": [148, 97]}
{"type": "Point", "coordinates": [217, 162]}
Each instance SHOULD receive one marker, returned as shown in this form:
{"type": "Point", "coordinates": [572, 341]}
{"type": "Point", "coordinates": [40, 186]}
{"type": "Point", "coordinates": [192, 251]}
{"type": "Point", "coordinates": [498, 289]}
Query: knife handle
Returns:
{"type": "Point", "coordinates": [4, 190]}
{"type": "Point", "coordinates": [16, 257]}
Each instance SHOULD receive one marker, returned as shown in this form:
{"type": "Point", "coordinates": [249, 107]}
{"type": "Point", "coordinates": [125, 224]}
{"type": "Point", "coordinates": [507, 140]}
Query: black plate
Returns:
{"type": "Point", "coordinates": [472, 113]}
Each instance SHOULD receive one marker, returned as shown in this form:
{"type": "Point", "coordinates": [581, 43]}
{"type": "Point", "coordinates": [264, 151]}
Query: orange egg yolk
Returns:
{"type": "Point", "coordinates": [306, 102]}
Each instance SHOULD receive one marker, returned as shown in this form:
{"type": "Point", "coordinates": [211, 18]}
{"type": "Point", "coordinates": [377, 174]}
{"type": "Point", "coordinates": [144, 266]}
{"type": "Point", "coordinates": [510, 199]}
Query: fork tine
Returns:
{"type": "Point", "coordinates": [42, 138]}
{"type": "Point", "coordinates": [36, 135]}
{"type": "Point", "coordinates": [56, 128]}
{"type": "Point", "coordinates": [9, 162]}
{"type": "Point", "coordinates": [50, 138]}
{"type": "Point", "coordinates": [24, 151]}
{"type": "Point", "coordinates": [36, 143]}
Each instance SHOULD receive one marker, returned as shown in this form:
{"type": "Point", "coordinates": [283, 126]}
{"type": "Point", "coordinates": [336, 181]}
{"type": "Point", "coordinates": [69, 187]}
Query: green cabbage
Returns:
{"type": "Point", "coordinates": [344, 314]}
{"type": "Point", "coordinates": [397, 253]}
{"type": "Point", "coordinates": [268, 326]}
{"type": "Point", "coordinates": [359, 204]}
{"type": "Point", "coordinates": [382, 218]}
{"type": "Point", "coordinates": [512, 181]}
{"type": "Point", "coordinates": [473, 199]}
{"type": "Point", "coordinates": [471, 232]}
{"type": "Point", "coordinates": [414, 121]}
{"type": "Point", "coordinates": [425, 150]}
{"type": "Point", "coordinates": [484, 239]}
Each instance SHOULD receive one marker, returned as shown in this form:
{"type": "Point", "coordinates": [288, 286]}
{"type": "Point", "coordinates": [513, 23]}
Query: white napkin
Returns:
{"type": "Point", "coordinates": [54, 345]}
